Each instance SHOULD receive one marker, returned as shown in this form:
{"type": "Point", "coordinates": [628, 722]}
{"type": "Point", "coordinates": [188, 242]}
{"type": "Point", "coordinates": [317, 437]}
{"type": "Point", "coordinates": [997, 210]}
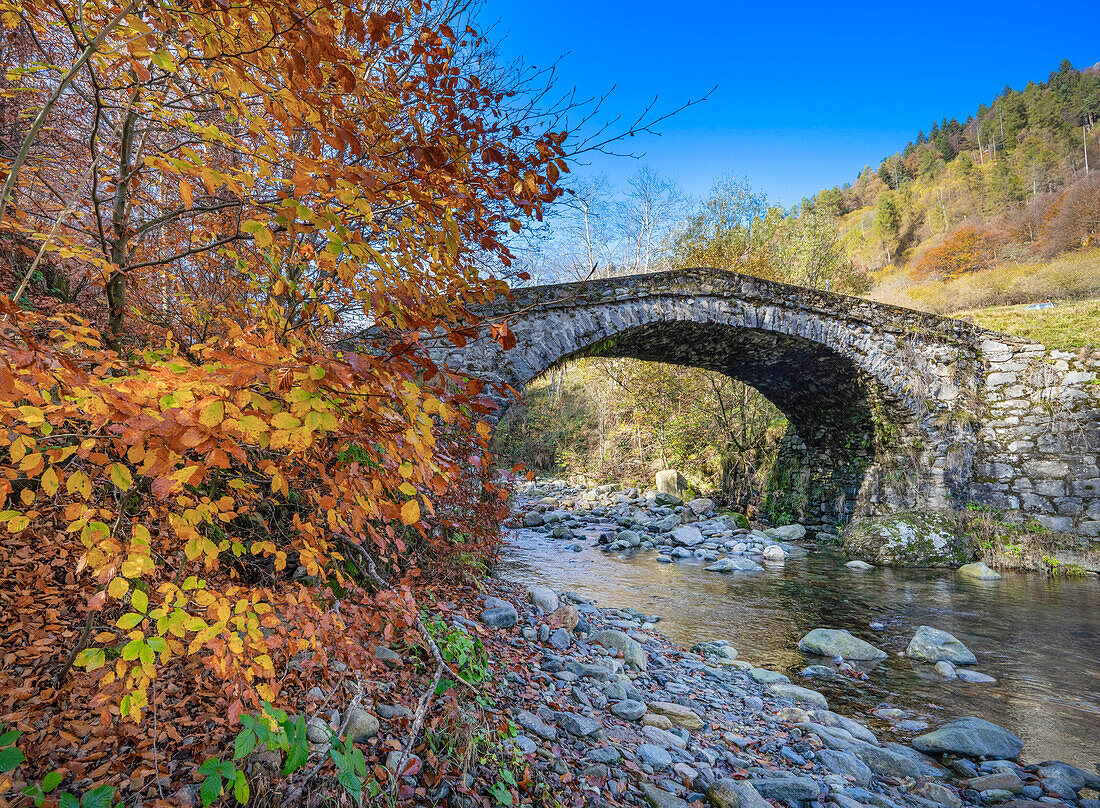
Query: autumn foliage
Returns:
{"type": "Point", "coordinates": [273, 209]}
{"type": "Point", "coordinates": [967, 249]}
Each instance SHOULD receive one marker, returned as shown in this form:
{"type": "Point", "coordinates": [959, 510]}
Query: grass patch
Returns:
{"type": "Point", "coordinates": [1068, 325]}
{"type": "Point", "coordinates": [1069, 277]}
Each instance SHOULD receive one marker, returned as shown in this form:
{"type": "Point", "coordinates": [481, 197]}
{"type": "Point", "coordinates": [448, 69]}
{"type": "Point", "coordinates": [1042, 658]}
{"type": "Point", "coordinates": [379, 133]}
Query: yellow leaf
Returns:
{"type": "Point", "coordinates": [212, 414]}
{"type": "Point", "coordinates": [408, 489]}
{"type": "Point", "coordinates": [18, 523]}
{"type": "Point", "coordinates": [50, 483]}
{"type": "Point", "coordinates": [120, 476]}
{"type": "Point", "coordinates": [410, 512]}
{"type": "Point", "coordinates": [284, 420]}
{"type": "Point", "coordinates": [118, 588]}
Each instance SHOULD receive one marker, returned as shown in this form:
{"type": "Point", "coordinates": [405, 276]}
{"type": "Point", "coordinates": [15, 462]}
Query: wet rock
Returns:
{"type": "Point", "coordinates": [774, 553]}
{"type": "Point", "coordinates": [653, 755]}
{"type": "Point", "coordinates": [659, 798]}
{"type": "Point", "coordinates": [633, 653]}
{"type": "Point", "coordinates": [974, 677]}
{"type": "Point", "coordinates": [629, 710]}
{"type": "Point", "coordinates": [803, 695]}
{"type": "Point", "coordinates": [786, 789]}
{"type": "Point", "coordinates": [565, 616]}
{"type": "Point", "coordinates": [536, 726]}
{"type": "Point", "coordinates": [532, 519]}
{"type": "Point", "coordinates": [544, 597]}
{"type": "Point", "coordinates": [735, 565]}
{"type": "Point", "coordinates": [734, 794]}
{"type": "Point", "coordinates": [856, 564]}
{"type": "Point", "coordinates": [970, 737]}
{"type": "Point", "coordinates": [916, 539]}
{"type": "Point", "coordinates": [578, 725]}
{"type": "Point", "coordinates": [701, 506]}
{"type": "Point", "coordinates": [686, 536]}
{"type": "Point", "coordinates": [846, 764]}
{"type": "Point", "coordinates": [933, 645]}
{"type": "Point", "coordinates": [945, 670]}
{"type": "Point", "coordinates": [839, 642]}
{"type": "Point", "coordinates": [979, 571]}
{"type": "Point", "coordinates": [678, 714]}
{"type": "Point", "coordinates": [500, 616]}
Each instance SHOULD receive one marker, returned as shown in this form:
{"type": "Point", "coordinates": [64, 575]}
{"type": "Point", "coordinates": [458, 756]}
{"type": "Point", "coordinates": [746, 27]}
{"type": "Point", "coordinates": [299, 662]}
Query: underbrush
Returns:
{"type": "Point", "coordinates": [1009, 542]}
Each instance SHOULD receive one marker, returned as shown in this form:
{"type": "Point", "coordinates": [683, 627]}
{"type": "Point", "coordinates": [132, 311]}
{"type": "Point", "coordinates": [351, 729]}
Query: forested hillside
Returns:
{"type": "Point", "coordinates": [1015, 183]}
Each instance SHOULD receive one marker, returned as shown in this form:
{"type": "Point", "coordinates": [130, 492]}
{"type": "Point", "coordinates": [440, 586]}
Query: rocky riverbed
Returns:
{"type": "Point", "coordinates": [612, 707]}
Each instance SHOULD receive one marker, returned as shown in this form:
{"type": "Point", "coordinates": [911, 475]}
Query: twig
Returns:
{"type": "Point", "coordinates": [425, 699]}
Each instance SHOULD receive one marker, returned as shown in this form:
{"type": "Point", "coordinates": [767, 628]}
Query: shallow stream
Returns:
{"type": "Point", "coordinates": [1039, 637]}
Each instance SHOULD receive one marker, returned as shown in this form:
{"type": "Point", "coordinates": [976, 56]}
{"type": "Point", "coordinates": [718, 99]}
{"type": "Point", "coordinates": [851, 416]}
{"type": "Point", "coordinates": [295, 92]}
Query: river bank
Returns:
{"type": "Point", "coordinates": [752, 723]}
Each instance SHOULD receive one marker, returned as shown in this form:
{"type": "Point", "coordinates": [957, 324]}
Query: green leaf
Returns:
{"type": "Point", "coordinates": [299, 751]}
{"type": "Point", "coordinates": [99, 797]}
{"type": "Point", "coordinates": [210, 790]}
{"type": "Point", "coordinates": [240, 789]}
{"type": "Point", "coordinates": [140, 601]}
{"type": "Point", "coordinates": [68, 801]}
{"type": "Point", "coordinates": [129, 621]}
{"type": "Point", "coordinates": [245, 743]}
{"type": "Point", "coordinates": [132, 650]}
{"type": "Point", "coordinates": [51, 781]}
{"type": "Point", "coordinates": [352, 784]}
{"type": "Point", "coordinates": [9, 737]}
{"type": "Point", "coordinates": [209, 766]}
{"type": "Point", "coordinates": [10, 757]}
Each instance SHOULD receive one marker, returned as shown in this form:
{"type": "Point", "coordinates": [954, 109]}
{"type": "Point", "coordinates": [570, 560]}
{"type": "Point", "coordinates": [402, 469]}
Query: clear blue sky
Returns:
{"type": "Point", "coordinates": [808, 92]}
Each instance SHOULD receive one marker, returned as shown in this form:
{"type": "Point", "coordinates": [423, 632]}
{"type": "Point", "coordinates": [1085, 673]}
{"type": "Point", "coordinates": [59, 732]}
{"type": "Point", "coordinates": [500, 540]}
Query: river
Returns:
{"type": "Point", "coordinates": [1040, 637]}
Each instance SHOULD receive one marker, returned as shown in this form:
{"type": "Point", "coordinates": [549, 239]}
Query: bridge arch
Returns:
{"type": "Point", "coordinates": [890, 408]}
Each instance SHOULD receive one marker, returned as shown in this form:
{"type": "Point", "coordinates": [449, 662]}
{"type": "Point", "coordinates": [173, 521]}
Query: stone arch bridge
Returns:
{"type": "Point", "coordinates": [889, 408]}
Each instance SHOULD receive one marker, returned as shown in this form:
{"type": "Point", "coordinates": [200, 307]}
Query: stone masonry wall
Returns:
{"type": "Point", "coordinates": [1039, 446]}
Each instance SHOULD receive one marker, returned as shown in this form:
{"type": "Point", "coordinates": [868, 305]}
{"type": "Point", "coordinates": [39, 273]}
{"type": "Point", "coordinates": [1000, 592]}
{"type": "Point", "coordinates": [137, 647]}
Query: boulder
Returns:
{"type": "Point", "coordinates": [831, 642]}
{"type": "Point", "coordinates": [628, 709]}
{"type": "Point", "coordinates": [932, 645]}
{"type": "Point", "coordinates": [791, 790]}
{"type": "Point", "coordinates": [654, 756]}
{"type": "Point", "coordinates": [979, 571]}
{"type": "Point", "coordinates": [565, 616]}
{"type": "Point", "coordinates": [578, 725]}
{"type": "Point", "coordinates": [856, 564]}
{"type": "Point", "coordinates": [671, 482]}
{"type": "Point", "coordinates": [362, 726]}
{"type": "Point", "coordinates": [970, 737]}
{"type": "Point", "coordinates": [659, 798]}
{"type": "Point", "coordinates": [701, 506]}
{"type": "Point", "coordinates": [734, 794]}
{"type": "Point", "coordinates": [735, 565]}
{"type": "Point", "coordinates": [774, 553]}
{"type": "Point", "coordinates": [678, 714]}
{"type": "Point", "coordinates": [686, 536]}
{"type": "Point", "coordinates": [535, 725]}
{"type": "Point", "coordinates": [544, 597]}
{"type": "Point", "coordinates": [532, 519]}
{"type": "Point", "coordinates": [500, 616]}
{"type": "Point", "coordinates": [792, 532]}
{"type": "Point", "coordinates": [910, 539]}
{"type": "Point", "coordinates": [802, 695]}
{"type": "Point", "coordinates": [633, 653]}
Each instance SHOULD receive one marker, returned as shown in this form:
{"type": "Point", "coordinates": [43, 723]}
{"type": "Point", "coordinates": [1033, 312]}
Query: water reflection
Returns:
{"type": "Point", "coordinates": [1039, 637]}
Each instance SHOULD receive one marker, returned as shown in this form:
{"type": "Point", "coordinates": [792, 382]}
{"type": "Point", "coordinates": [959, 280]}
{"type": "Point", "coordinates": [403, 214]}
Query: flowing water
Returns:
{"type": "Point", "coordinates": [1040, 637]}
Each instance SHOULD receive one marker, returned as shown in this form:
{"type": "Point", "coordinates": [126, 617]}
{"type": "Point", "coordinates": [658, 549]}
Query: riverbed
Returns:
{"type": "Point", "coordinates": [1040, 637]}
